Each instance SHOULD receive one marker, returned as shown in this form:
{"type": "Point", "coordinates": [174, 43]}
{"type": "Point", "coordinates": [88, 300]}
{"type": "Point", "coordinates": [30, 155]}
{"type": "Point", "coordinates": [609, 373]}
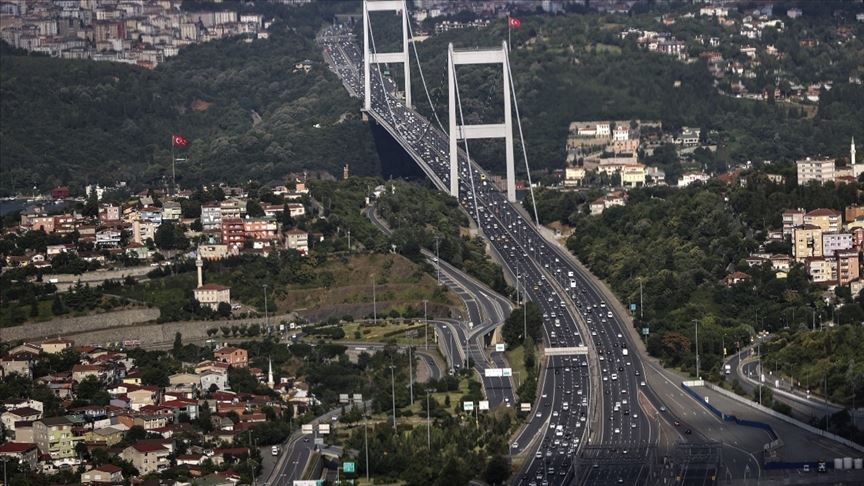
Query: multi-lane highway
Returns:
{"type": "Point", "coordinates": [575, 315]}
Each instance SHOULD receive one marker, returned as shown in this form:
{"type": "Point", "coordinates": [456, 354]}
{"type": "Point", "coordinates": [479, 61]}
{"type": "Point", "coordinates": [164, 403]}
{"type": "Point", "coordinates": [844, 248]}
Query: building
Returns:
{"type": "Point", "coordinates": [237, 357]}
{"type": "Point", "coordinates": [57, 345]}
{"type": "Point", "coordinates": [210, 295]}
{"type": "Point", "coordinates": [735, 278]}
{"type": "Point", "coordinates": [297, 240]}
{"type": "Point", "coordinates": [233, 231]}
{"type": "Point", "coordinates": [211, 216]}
{"type": "Point", "coordinates": [23, 414]}
{"type": "Point", "coordinates": [828, 219]}
{"type": "Point", "coordinates": [171, 211]}
{"type": "Point", "coordinates": [815, 170]}
{"type": "Point", "coordinates": [106, 473]}
{"type": "Point", "coordinates": [848, 267]}
{"type": "Point", "coordinates": [851, 213]}
{"type": "Point", "coordinates": [806, 242]}
{"type": "Point", "coordinates": [791, 219]}
{"type": "Point", "coordinates": [143, 231]}
{"type": "Point", "coordinates": [836, 242]}
{"type": "Point", "coordinates": [23, 452]}
{"type": "Point", "coordinates": [688, 178]}
{"type": "Point", "coordinates": [261, 228]}
{"type": "Point", "coordinates": [573, 176]}
{"type": "Point", "coordinates": [54, 436]}
{"type": "Point", "coordinates": [147, 458]}
{"type": "Point", "coordinates": [633, 176]}
{"type": "Point", "coordinates": [109, 212]}
{"type": "Point", "coordinates": [213, 251]}
{"type": "Point", "coordinates": [821, 269]}
{"type": "Point", "coordinates": [689, 137]}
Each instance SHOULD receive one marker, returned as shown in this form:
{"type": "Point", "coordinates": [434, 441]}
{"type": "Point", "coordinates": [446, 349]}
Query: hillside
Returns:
{"type": "Point", "coordinates": [246, 110]}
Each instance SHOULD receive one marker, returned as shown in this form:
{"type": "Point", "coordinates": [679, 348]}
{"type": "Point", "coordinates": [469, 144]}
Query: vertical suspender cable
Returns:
{"type": "Point", "coordinates": [521, 138]}
{"type": "Point", "coordinates": [423, 78]}
{"type": "Point", "coordinates": [467, 154]}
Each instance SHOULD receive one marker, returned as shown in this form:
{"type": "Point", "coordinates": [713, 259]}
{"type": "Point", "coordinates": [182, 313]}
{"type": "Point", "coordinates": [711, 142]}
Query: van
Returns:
{"type": "Point", "coordinates": [274, 450]}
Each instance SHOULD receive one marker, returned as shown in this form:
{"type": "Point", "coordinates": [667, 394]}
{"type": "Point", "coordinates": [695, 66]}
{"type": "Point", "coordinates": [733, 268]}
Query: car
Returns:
{"type": "Point", "coordinates": [662, 407]}
{"type": "Point", "coordinates": [617, 430]}
{"type": "Point", "coordinates": [516, 445]}
{"type": "Point", "coordinates": [688, 431]}
{"type": "Point", "coordinates": [676, 423]}
{"type": "Point", "coordinates": [805, 468]}
{"type": "Point", "coordinates": [538, 455]}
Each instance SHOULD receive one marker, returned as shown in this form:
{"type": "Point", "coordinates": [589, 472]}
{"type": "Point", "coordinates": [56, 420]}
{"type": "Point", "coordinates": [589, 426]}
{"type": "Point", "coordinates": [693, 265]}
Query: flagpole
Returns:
{"type": "Point", "coordinates": [509, 42]}
{"type": "Point", "coordinates": [173, 162]}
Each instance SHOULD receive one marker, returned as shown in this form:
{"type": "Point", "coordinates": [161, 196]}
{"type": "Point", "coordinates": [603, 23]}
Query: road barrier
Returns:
{"type": "Point", "coordinates": [723, 416]}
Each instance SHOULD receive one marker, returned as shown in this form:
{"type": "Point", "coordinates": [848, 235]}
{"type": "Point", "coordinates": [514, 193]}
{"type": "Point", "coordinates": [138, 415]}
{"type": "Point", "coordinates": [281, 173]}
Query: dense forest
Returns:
{"type": "Point", "coordinates": [681, 243]}
{"type": "Point", "coordinates": [246, 110]}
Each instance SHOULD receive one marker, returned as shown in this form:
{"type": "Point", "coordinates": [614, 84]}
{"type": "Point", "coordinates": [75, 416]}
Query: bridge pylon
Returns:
{"type": "Point", "coordinates": [466, 132]}
{"type": "Point", "coordinates": [370, 58]}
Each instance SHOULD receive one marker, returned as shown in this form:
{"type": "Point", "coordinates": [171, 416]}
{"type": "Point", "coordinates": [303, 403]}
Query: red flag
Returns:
{"type": "Point", "coordinates": [514, 22]}
{"type": "Point", "coordinates": [179, 141]}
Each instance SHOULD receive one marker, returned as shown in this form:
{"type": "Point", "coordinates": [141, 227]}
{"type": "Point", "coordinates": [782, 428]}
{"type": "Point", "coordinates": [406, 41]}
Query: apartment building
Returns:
{"type": "Point", "coordinates": [807, 242]}
{"type": "Point", "coordinates": [815, 170]}
{"type": "Point", "coordinates": [54, 436]}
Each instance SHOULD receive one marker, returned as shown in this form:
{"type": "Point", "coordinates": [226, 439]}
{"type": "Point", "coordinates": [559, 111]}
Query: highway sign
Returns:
{"type": "Point", "coordinates": [483, 405]}
{"type": "Point", "coordinates": [348, 467]}
{"type": "Point", "coordinates": [632, 307]}
{"type": "Point", "coordinates": [644, 331]}
{"type": "Point", "coordinates": [307, 428]}
{"type": "Point", "coordinates": [343, 398]}
{"type": "Point", "coordinates": [319, 441]}
{"type": "Point", "coordinates": [358, 398]}
{"type": "Point", "coordinates": [507, 372]}
{"type": "Point", "coordinates": [323, 429]}
{"type": "Point", "coordinates": [525, 407]}
{"type": "Point", "coordinates": [493, 372]}
{"type": "Point", "coordinates": [468, 406]}
{"type": "Point", "coordinates": [500, 348]}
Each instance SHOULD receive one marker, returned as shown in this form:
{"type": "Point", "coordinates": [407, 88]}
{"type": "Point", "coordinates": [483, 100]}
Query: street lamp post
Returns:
{"type": "Point", "coordinates": [426, 324]}
{"type": "Point", "coordinates": [374, 303]}
{"type": "Point", "coordinates": [428, 421]}
{"type": "Point", "coordinates": [696, 322]}
{"type": "Point", "coordinates": [724, 344]}
{"type": "Point", "coordinates": [411, 374]}
{"type": "Point", "coordinates": [366, 441]}
{"type": "Point", "coordinates": [266, 314]}
{"type": "Point", "coordinates": [437, 260]}
{"type": "Point", "coordinates": [393, 391]}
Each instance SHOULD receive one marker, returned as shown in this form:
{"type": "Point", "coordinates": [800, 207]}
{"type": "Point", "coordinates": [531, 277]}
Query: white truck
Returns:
{"type": "Point", "coordinates": [728, 369]}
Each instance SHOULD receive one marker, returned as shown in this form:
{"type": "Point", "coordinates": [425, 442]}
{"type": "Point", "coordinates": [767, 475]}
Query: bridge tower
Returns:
{"type": "Point", "coordinates": [370, 58]}
{"type": "Point", "coordinates": [467, 132]}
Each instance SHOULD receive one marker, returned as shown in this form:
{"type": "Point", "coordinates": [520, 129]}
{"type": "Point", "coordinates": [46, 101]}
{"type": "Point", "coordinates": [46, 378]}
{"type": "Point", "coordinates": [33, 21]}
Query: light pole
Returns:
{"type": "Point", "coordinates": [374, 303]}
{"type": "Point", "coordinates": [426, 324]}
{"type": "Point", "coordinates": [437, 260]}
{"type": "Point", "coordinates": [696, 322]}
{"type": "Point", "coordinates": [366, 441]}
{"type": "Point", "coordinates": [349, 241]}
{"type": "Point", "coordinates": [393, 391]}
{"type": "Point", "coordinates": [411, 374]}
{"type": "Point", "coordinates": [724, 344]}
{"type": "Point", "coordinates": [428, 421]}
{"type": "Point", "coordinates": [266, 315]}
{"type": "Point", "coordinates": [641, 314]}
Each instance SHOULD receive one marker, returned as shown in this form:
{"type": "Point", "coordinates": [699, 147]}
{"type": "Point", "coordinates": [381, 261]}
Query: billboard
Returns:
{"type": "Point", "coordinates": [323, 429]}
{"type": "Point", "coordinates": [307, 428]}
{"type": "Point", "coordinates": [525, 407]}
{"type": "Point", "coordinates": [343, 398]}
{"type": "Point", "coordinates": [500, 347]}
{"type": "Point", "coordinates": [493, 372]}
{"type": "Point", "coordinates": [483, 405]}
{"type": "Point", "coordinates": [507, 372]}
{"type": "Point", "coordinates": [468, 406]}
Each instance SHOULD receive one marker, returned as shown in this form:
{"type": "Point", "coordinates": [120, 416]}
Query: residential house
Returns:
{"type": "Point", "coordinates": [23, 414]}
{"type": "Point", "coordinates": [232, 208]}
{"type": "Point", "coordinates": [143, 231]}
{"type": "Point", "coordinates": [171, 211]}
{"type": "Point", "coordinates": [688, 178]}
{"type": "Point", "coordinates": [54, 436]}
{"type": "Point", "coordinates": [108, 237]}
{"type": "Point", "coordinates": [835, 242]}
{"type": "Point", "coordinates": [109, 213]}
{"type": "Point", "coordinates": [106, 473]}
{"type": "Point", "coordinates": [109, 435]}
{"type": "Point", "coordinates": [573, 175]}
{"type": "Point", "coordinates": [689, 137]}
{"type": "Point", "coordinates": [147, 458]}
{"type": "Point", "coordinates": [237, 357]}
{"type": "Point", "coordinates": [211, 216]}
{"type": "Point", "coordinates": [297, 239]}
{"type": "Point", "coordinates": [812, 170]}
{"type": "Point", "coordinates": [57, 345]}
{"type": "Point", "coordinates": [233, 232]}
{"type": "Point", "coordinates": [848, 266]}
{"type": "Point", "coordinates": [828, 219]}
{"type": "Point", "coordinates": [806, 242]}
{"type": "Point", "coordinates": [633, 176]}
{"type": "Point", "coordinates": [142, 396]}
{"type": "Point", "coordinates": [211, 378]}
{"type": "Point", "coordinates": [81, 371]}
{"type": "Point", "coordinates": [821, 269]}
{"type": "Point", "coordinates": [791, 219]}
{"type": "Point", "coordinates": [260, 228]}
{"type": "Point", "coordinates": [735, 278]}
{"type": "Point", "coordinates": [213, 251]}
{"type": "Point", "coordinates": [25, 453]}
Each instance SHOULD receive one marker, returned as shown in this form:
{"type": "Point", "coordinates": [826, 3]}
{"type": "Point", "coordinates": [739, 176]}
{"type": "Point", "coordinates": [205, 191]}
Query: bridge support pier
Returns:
{"type": "Point", "coordinates": [466, 132]}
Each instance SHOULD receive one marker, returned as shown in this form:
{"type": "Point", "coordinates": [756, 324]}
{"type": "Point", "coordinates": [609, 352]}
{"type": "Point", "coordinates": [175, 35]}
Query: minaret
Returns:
{"type": "Point", "coordinates": [852, 152]}
{"type": "Point", "coordinates": [270, 381]}
{"type": "Point", "coordinates": [200, 264]}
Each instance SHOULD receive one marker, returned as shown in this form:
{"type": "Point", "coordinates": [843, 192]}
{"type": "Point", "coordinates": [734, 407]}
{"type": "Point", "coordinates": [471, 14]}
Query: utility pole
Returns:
{"type": "Point", "coordinates": [374, 303]}
{"type": "Point", "coordinates": [411, 374]}
{"type": "Point", "coordinates": [349, 241]}
{"type": "Point", "coordinates": [393, 391]}
{"type": "Point", "coordinates": [641, 314]}
{"type": "Point", "coordinates": [426, 321]}
{"type": "Point", "coordinates": [366, 441]}
{"type": "Point", "coordinates": [428, 421]}
{"type": "Point", "coordinates": [696, 322]}
{"type": "Point", "coordinates": [437, 260]}
{"type": "Point", "coordinates": [724, 345]}
{"type": "Point", "coordinates": [266, 315]}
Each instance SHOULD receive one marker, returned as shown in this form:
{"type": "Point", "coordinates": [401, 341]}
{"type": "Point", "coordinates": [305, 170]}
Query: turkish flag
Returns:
{"type": "Point", "coordinates": [179, 141]}
{"type": "Point", "coordinates": [514, 22]}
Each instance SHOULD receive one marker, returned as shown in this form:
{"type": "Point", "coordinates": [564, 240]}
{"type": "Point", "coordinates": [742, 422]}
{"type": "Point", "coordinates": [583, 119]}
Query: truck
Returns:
{"type": "Point", "coordinates": [728, 369]}
{"type": "Point", "coordinates": [624, 351]}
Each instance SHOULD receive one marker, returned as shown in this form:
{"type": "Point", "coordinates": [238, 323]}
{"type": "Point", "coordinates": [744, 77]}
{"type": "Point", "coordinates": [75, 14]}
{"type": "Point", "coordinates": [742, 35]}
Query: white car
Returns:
{"type": "Point", "coordinates": [617, 430]}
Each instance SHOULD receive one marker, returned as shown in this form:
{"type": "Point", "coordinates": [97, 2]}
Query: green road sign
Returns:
{"type": "Point", "coordinates": [348, 467]}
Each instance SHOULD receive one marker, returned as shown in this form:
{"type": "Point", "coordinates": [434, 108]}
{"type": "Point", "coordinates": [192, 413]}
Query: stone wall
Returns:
{"type": "Point", "coordinates": [77, 325]}
{"type": "Point", "coordinates": [155, 335]}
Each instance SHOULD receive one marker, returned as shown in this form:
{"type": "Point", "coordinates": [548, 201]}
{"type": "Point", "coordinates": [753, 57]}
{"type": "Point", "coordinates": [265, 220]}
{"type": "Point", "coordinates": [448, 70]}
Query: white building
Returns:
{"type": "Point", "coordinates": [820, 170]}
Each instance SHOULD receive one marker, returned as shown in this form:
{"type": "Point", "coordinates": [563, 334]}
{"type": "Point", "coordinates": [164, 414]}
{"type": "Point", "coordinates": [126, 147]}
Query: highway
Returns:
{"type": "Point", "coordinates": [486, 311]}
{"type": "Point", "coordinates": [547, 276]}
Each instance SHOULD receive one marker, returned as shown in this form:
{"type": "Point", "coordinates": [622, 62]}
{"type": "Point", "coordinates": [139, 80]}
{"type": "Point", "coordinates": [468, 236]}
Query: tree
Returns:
{"type": "Point", "coordinates": [287, 220]}
{"type": "Point", "coordinates": [57, 307]}
{"type": "Point", "coordinates": [91, 205]}
{"type": "Point", "coordinates": [224, 309]}
{"type": "Point", "coordinates": [254, 209]}
{"type": "Point", "coordinates": [178, 345]}
{"type": "Point", "coordinates": [135, 433]}
{"type": "Point", "coordinates": [497, 470]}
